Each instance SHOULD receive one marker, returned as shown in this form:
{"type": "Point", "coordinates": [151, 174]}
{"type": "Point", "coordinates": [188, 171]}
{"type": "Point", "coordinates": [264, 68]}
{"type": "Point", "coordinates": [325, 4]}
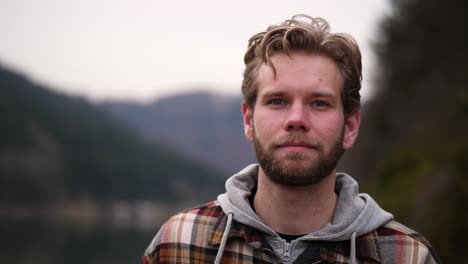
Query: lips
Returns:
{"type": "Point", "coordinates": [296, 144]}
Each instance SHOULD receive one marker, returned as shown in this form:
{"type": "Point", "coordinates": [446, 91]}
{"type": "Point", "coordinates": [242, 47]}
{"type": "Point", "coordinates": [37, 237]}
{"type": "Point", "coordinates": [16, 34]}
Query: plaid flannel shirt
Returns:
{"type": "Point", "coordinates": [194, 236]}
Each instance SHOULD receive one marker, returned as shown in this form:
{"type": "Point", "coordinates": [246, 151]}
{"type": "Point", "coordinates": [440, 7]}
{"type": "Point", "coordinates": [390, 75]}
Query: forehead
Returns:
{"type": "Point", "coordinates": [300, 71]}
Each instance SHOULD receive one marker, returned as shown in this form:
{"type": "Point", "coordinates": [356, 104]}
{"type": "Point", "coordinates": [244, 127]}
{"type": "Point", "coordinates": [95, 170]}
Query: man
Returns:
{"type": "Point", "coordinates": [301, 110]}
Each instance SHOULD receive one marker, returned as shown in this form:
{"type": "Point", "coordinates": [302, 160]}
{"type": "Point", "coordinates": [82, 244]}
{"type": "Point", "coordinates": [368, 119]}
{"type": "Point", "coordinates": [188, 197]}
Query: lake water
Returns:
{"type": "Point", "coordinates": [36, 242]}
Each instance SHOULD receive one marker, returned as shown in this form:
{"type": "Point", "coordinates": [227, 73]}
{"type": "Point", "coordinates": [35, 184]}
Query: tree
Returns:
{"type": "Point", "coordinates": [416, 130]}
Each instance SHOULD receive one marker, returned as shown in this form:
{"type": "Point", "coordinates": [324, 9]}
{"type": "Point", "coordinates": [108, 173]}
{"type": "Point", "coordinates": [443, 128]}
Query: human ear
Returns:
{"type": "Point", "coordinates": [351, 129]}
{"type": "Point", "coordinates": [247, 114]}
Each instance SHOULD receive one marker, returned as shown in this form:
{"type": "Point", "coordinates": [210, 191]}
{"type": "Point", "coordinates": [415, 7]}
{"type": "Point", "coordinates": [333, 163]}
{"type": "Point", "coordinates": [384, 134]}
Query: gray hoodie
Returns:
{"type": "Point", "coordinates": [355, 214]}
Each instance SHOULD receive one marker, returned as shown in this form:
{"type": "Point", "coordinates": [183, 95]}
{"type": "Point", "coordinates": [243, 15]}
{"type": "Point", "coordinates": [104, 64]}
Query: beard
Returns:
{"type": "Point", "coordinates": [298, 169]}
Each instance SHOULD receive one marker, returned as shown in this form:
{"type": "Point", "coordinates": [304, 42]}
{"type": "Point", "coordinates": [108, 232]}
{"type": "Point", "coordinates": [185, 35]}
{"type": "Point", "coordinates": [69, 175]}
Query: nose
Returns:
{"type": "Point", "coordinates": [298, 119]}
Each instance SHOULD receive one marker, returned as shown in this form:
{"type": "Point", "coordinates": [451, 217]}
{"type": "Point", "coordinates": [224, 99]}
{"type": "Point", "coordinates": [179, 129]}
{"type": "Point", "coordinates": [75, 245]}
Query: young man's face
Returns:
{"type": "Point", "coordinates": [297, 125]}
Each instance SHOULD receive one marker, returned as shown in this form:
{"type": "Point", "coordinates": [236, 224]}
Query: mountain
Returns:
{"type": "Point", "coordinates": [55, 147]}
{"type": "Point", "coordinates": [206, 126]}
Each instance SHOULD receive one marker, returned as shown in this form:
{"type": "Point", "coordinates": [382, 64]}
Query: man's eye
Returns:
{"type": "Point", "coordinates": [277, 101]}
{"type": "Point", "coordinates": [320, 104]}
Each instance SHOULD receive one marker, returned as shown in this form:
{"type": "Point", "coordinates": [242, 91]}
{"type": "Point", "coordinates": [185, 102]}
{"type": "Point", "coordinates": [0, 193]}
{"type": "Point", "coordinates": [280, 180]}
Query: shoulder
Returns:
{"type": "Point", "coordinates": [401, 244]}
{"type": "Point", "coordinates": [192, 227]}
{"type": "Point", "coordinates": [198, 220]}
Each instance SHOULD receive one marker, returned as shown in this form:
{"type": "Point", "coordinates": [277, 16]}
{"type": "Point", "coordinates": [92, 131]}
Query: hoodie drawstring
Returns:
{"type": "Point", "coordinates": [353, 248]}
{"type": "Point", "coordinates": [219, 255]}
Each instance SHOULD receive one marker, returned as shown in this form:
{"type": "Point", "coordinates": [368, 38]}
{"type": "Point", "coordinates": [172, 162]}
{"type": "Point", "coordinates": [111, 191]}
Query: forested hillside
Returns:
{"type": "Point", "coordinates": [55, 147]}
{"type": "Point", "coordinates": [413, 146]}
{"type": "Point", "coordinates": [203, 125]}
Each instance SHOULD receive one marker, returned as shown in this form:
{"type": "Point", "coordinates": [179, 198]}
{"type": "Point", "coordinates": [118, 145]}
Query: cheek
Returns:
{"type": "Point", "coordinates": [264, 127]}
{"type": "Point", "coordinates": [330, 130]}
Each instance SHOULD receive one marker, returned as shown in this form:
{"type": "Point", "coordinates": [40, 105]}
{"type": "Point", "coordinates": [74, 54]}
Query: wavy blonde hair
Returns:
{"type": "Point", "coordinates": [311, 35]}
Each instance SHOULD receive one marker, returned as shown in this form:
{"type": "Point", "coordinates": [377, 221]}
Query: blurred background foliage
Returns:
{"type": "Point", "coordinates": [415, 128]}
{"type": "Point", "coordinates": [94, 181]}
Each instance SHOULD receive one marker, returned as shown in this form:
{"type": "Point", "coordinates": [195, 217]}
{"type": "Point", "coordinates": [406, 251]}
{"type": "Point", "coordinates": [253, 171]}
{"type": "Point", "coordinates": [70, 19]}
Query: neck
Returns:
{"type": "Point", "coordinates": [295, 210]}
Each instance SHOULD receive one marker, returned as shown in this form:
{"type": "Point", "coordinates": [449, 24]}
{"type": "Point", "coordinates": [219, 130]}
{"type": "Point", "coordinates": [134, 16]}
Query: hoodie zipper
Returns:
{"type": "Point", "coordinates": [286, 251]}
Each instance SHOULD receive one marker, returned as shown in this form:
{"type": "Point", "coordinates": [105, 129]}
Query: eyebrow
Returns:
{"type": "Point", "coordinates": [274, 94]}
{"type": "Point", "coordinates": [313, 94]}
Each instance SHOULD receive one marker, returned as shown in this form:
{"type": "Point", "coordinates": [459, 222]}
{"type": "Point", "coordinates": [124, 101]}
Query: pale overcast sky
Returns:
{"type": "Point", "coordinates": [144, 49]}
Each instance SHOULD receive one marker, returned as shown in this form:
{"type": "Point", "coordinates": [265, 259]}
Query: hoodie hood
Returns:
{"type": "Point", "coordinates": [354, 213]}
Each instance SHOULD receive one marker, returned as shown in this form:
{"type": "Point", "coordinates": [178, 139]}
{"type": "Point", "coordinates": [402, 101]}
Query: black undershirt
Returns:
{"type": "Point", "coordinates": [286, 237]}
{"type": "Point", "coordinates": [289, 238]}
